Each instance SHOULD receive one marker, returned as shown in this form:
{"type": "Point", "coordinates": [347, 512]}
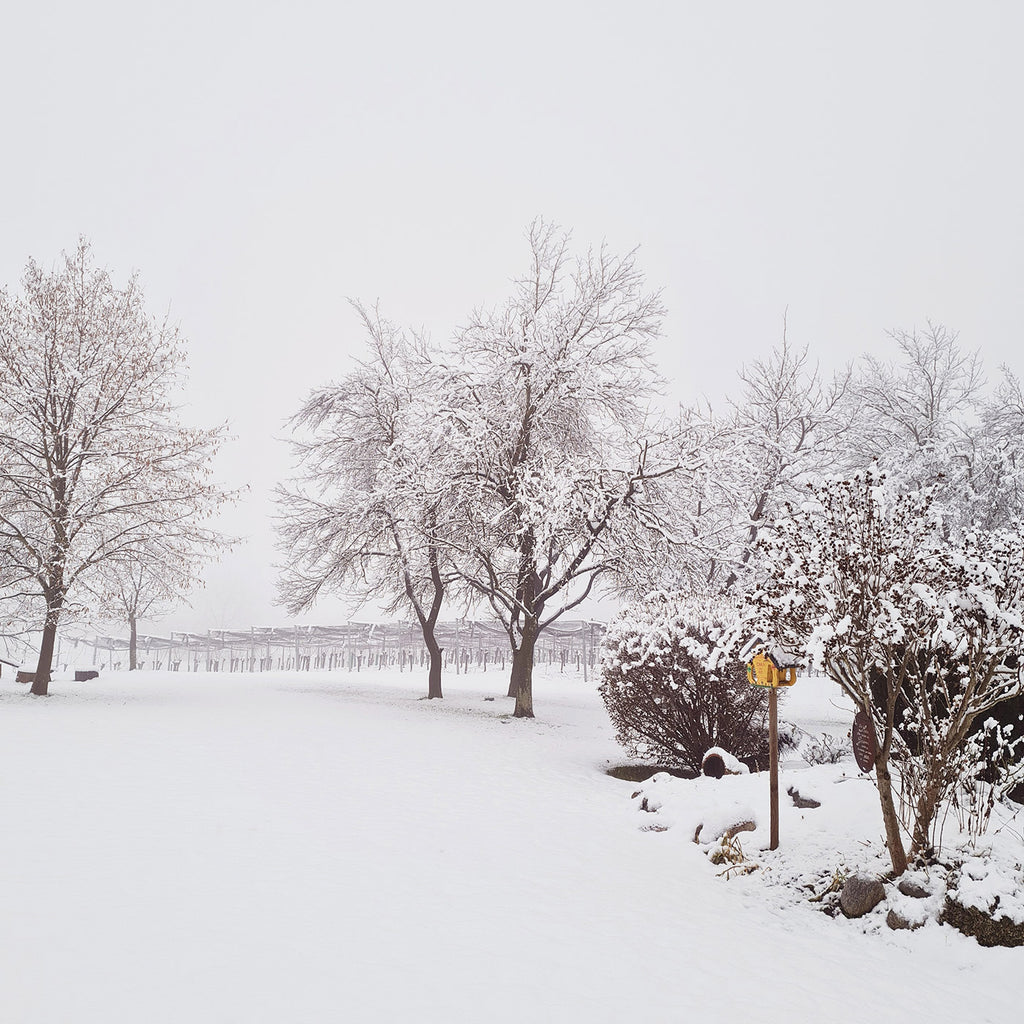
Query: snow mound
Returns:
{"type": "Point", "coordinates": [991, 883]}
{"type": "Point", "coordinates": [703, 808]}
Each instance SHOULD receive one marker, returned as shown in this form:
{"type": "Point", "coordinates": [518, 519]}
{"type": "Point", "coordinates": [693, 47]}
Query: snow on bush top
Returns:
{"type": "Point", "coordinates": [645, 632]}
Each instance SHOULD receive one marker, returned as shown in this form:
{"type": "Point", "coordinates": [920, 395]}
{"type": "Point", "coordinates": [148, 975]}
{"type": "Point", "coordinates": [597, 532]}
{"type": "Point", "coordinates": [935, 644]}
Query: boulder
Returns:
{"type": "Point", "coordinates": [915, 890]}
{"type": "Point", "coordinates": [898, 921]}
{"type": "Point", "coordinates": [860, 895]}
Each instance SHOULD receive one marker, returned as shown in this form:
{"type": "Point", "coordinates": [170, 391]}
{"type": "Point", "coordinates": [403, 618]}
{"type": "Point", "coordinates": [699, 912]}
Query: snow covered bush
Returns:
{"type": "Point", "coordinates": [822, 749]}
{"type": "Point", "coordinates": [994, 755]}
{"type": "Point", "coordinates": [920, 625]}
{"type": "Point", "coordinates": [673, 692]}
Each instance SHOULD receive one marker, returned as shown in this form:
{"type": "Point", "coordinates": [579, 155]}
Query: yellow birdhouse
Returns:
{"type": "Point", "coordinates": [766, 669]}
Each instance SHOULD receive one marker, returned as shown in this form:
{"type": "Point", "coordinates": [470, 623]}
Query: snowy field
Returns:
{"type": "Point", "coordinates": [331, 847]}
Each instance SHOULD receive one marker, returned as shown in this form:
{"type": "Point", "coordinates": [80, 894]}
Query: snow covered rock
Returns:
{"type": "Point", "coordinates": [899, 920]}
{"type": "Point", "coordinates": [802, 801]}
{"type": "Point", "coordinates": [915, 901]}
{"type": "Point", "coordinates": [985, 898]}
{"type": "Point", "coordinates": [860, 895]}
{"type": "Point", "coordinates": [716, 831]}
{"type": "Point", "coordinates": [912, 888]}
{"type": "Point", "coordinates": [718, 762]}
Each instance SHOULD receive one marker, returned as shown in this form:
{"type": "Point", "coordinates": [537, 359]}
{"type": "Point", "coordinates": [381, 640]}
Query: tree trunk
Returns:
{"type": "Point", "coordinates": [521, 682]}
{"type": "Point", "coordinates": [428, 619]}
{"type": "Point", "coordinates": [434, 673]}
{"type": "Point", "coordinates": [41, 683]}
{"type": "Point", "coordinates": [133, 644]}
{"type": "Point", "coordinates": [897, 854]}
{"type": "Point", "coordinates": [513, 679]}
{"type": "Point", "coordinates": [924, 814]}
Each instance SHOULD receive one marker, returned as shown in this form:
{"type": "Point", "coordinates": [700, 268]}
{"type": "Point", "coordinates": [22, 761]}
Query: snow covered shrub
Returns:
{"type": "Point", "coordinates": [823, 749]}
{"type": "Point", "coordinates": [995, 773]}
{"type": "Point", "coordinates": [985, 765]}
{"type": "Point", "coordinates": [671, 690]}
{"type": "Point", "coordinates": [1004, 752]}
{"type": "Point", "coordinates": [918, 623]}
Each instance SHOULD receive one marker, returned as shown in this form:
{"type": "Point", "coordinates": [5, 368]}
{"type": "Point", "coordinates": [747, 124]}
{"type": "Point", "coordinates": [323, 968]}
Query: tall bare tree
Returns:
{"type": "Point", "coordinates": [928, 395]}
{"type": "Point", "coordinates": [93, 458]}
{"type": "Point", "coordinates": [788, 425]}
{"type": "Point", "coordinates": [793, 426]}
{"type": "Point", "coordinates": [366, 515]}
{"type": "Point", "coordinates": [935, 423]}
{"type": "Point", "coordinates": [557, 451]}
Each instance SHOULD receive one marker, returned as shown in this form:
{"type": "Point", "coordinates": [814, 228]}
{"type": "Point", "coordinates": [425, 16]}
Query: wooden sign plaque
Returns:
{"type": "Point", "coordinates": [864, 749]}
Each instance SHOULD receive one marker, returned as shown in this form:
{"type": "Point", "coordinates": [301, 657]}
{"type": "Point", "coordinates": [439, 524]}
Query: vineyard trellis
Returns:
{"type": "Point", "coordinates": [354, 646]}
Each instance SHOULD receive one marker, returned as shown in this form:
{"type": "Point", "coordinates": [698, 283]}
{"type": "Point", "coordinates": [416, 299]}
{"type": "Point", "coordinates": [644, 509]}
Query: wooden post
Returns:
{"type": "Point", "coordinates": [583, 647]}
{"type": "Point", "coordinates": [773, 764]}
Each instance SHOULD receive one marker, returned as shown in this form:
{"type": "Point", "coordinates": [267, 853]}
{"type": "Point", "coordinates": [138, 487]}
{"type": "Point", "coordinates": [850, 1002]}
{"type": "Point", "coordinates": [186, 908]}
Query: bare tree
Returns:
{"type": "Point", "coordinates": [987, 464]}
{"type": "Point", "coordinates": [93, 458]}
{"type": "Point", "coordinates": [788, 427]}
{"type": "Point", "coordinates": [365, 516]}
{"type": "Point", "coordinates": [701, 513]}
{"type": "Point", "coordinates": [929, 396]}
{"type": "Point", "coordinates": [935, 424]}
{"type": "Point", "coordinates": [152, 577]}
{"type": "Point", "coordinates": [557, 454]}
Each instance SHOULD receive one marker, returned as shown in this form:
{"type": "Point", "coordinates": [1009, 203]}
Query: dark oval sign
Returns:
{"type": "Point", "coordinates": [864, 749]}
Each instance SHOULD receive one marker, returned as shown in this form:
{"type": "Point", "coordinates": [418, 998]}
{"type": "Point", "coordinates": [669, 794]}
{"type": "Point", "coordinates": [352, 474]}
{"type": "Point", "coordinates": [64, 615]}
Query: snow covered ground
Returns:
{"type": "Point", "coordinates": [325, 846]}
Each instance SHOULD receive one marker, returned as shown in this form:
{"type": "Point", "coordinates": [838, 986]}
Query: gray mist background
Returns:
{"type": "Point", "coordinates": [859, 166]}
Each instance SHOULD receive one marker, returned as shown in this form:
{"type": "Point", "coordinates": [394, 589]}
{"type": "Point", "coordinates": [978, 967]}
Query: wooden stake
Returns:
{"type": "Point", "coordinates": [773, 764]}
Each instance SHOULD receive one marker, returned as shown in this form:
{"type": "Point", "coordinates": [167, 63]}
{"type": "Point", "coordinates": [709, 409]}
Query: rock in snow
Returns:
{"type": "Point", "coordinates": [860, 895]}
{"type": "Point", "coordinates": [912, 888]}
{"type": "Point", "coordinates": [802, 801]}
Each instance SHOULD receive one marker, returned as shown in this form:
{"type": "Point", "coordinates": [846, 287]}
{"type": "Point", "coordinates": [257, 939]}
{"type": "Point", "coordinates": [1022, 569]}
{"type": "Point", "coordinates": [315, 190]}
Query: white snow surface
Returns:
{"type": "Point", "coordinates": [331, 846]}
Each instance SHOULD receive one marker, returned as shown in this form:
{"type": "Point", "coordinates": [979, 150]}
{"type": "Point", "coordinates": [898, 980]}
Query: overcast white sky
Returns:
{"type": "Point", "coordinates": [858, 164]}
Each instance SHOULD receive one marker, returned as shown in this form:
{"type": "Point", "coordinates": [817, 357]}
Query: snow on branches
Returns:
{"type": "Point", "coordinates": [671, 689]}
{"type": "Point", "coordinates": [920, 625]}
{"type": "Point", "coordinates": [94, 464]}
{"type": "Point", "coordinates": [559, 450]}
{"type": "Point", "coordinates": [369, 511]}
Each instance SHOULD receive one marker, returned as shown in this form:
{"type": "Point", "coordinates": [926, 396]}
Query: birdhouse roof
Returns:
{"type": "Point", "coordinates": [777, 655]}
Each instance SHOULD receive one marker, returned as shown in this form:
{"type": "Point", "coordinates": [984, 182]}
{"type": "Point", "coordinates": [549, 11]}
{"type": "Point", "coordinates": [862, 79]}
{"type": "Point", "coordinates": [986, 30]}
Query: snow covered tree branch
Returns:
{"type": "Point", "coordinates": [368, 512]}
{"type": "Point", "coordinates": [921, 629]}
{"type": "Point", "coordinates": [559, 447]}
{"type": "Point", "coordinates": [93, 460]}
